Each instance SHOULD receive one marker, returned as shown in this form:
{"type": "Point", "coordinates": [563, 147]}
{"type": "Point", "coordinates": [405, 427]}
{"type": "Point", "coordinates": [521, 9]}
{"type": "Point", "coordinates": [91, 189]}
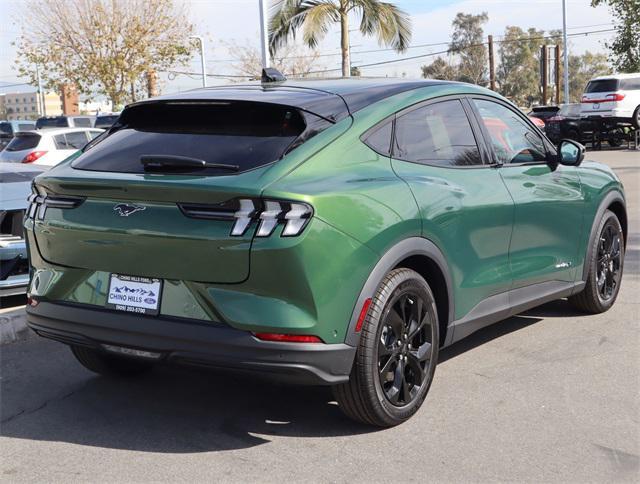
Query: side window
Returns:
{"type": "Point", "coordinates": [76, 140]}
{"type": "Point", "coordinates": [93, 134]}
{"type": "Point", "coordinates": [438, 134]}
{"type": "Point", "coordinates": [61, 142]}
{"type": "Point", "coordinates": [82, 122]}
{"type": "Point", "coordinates": [380, 139]}
{"type": "Point", "coordinates": [513, 140]}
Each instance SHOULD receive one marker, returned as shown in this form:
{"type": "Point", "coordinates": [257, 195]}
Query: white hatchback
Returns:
{"type": "Point", "coordinates": [47, 147]}
{"type": "Point", "coordinates": [613, 97]}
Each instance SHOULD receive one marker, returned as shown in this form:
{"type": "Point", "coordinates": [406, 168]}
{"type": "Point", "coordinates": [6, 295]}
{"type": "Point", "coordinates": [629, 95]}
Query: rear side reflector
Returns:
{"type": "Point", "coordinates": [289, 338]}
{"type": "Point", "coordinates": [363, 314]}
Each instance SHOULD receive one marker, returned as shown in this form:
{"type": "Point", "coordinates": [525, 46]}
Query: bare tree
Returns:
{"type": "Point", "coordinates": [292, 60]}
{"type": "Point", "coordinates": [102, 46]}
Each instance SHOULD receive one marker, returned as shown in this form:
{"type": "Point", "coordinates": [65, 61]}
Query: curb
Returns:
{"type": "Point", "coordinates": [13, 326]}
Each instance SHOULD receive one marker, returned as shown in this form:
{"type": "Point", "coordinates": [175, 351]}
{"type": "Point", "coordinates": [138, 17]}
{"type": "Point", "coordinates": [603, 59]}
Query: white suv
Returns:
{"type": "Point", "coordinates": [613, 97]}
{"type": "Point", "coordinates": [47, 147]}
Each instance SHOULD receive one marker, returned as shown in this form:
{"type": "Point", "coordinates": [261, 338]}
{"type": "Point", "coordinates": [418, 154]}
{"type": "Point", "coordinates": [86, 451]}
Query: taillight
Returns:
{"type": "Point", "coordinates": [555, 119]}
{"type": "Point", "coordinates": [33, 156]}
{"type": "Point", "coordinates": [288, 338]}
{"type": "Point", "coordinates": [615, 97]}
{"type": "Point", "coordinates": [268, 214]}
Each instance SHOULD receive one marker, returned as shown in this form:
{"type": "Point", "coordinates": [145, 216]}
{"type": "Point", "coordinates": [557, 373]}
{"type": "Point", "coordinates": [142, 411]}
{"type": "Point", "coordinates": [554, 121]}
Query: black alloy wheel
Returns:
{"type": "Point", "coordinates": [605, 264]}
{"type": "Point", "coordinates": [397, 352]}
{"type": "Point", "coordinates": [609, 265]}
{"type": "Point", "coordinates": [405, 347]}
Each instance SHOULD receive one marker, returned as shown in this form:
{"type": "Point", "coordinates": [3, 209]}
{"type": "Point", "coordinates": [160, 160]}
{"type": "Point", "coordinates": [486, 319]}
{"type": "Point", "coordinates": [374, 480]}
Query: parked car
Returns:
{"type": "Point", "coordinates": [15, 188]}
{"type": "Point", "coordinates": [9, 128]}
{"type": "Point", "coordinates": [48, 147]}
{"type": "Point", "coordinates": [335, 232]}
{"type": "Point", "coordinates": [567, 123]}
{"type": "Point", "coordinates": [616, 98]}
{"type": "Point", "coordinates": [543, 112]}
{"type": "Point", "coordinates": [106, 120]}
{"type": "Point", "coordinates": [65, 122]}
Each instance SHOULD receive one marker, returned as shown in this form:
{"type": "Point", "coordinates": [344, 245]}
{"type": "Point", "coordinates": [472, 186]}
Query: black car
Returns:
{"type": "Point", "coordinates": [568, 124]}
{"type": "Point", "coordinates": [544, 112]}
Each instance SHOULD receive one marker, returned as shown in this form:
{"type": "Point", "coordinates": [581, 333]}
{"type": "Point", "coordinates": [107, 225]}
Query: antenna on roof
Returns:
{"type": "Point", "coordinates": [269, 74]}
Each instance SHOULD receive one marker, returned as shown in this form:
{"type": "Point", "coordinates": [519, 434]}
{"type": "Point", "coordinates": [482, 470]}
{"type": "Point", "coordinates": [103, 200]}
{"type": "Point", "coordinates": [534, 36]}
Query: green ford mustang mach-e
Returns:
{"type": "Point", "coordinates": [329, 232]}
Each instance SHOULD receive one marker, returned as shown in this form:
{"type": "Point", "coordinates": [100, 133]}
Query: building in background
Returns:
{"type": "Point", "coordinates": [69, 98]}
{"type": "Point", "coordinates": [3, 111]}
{"type": "Point", "coordinates": [94, 107]}
{"type": "Point", "coordinates": [26, 105]}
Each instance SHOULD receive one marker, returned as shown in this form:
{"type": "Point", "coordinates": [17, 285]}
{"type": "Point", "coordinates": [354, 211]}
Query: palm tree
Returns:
{"type": "Point", "coordinates": [391, 25]}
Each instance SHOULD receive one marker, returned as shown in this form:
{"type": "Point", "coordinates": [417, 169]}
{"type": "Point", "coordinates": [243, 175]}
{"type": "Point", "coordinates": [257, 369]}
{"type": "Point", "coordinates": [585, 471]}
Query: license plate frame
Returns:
{"type": "Point", "coordinates": [133, 294]}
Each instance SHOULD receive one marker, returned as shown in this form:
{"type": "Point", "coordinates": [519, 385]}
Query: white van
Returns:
{"type": "Point", "coordinates": [615, 97]}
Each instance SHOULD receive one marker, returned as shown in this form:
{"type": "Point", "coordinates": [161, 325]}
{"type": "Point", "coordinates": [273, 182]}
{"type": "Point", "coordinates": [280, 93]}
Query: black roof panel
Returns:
{"type": "Point", "coordinates": [333, 99]}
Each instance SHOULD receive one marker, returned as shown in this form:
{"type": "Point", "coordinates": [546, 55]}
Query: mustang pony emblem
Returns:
{"type": "Point", "coordinates": [124, 209]}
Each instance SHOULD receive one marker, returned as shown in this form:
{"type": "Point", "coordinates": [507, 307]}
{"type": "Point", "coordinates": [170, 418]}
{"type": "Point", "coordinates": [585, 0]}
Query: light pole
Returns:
{"type": "Point", "coordinates": [264, 34]}
{"type": "Point", "coordinates": [566, 51]}
{"type": "Point", "coordinates": [204, 70]}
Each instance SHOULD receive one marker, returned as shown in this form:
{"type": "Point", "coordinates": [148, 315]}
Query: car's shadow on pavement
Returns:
{"type": "Point", "coordinates": [179, 409]}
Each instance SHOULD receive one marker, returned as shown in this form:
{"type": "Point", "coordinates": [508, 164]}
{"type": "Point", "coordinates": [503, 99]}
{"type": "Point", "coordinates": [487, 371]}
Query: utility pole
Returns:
{"type": "Point", "coordinates": [264, 34]}
{"type": "Point", "coordinates": [544, 64]}
{"type": "Point", "coordinates": [566, 51]}
{"type": "Point", "coordinates": [557, 78]}
{"type": "Point", "coordinates": [43, 110]}
{"type": "Point", "coordinates": [204, 69]}
{"type": "Point", "coordinates": [492, 66]}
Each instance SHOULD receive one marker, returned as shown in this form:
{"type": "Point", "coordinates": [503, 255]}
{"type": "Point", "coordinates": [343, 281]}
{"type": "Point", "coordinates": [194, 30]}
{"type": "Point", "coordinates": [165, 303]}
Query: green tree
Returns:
{"type": "Point", "coordinates": [467, 42]}
{"type": "Point", "coordinates": [467, 60]}
{"type": "Point", "coordinates": [584, 67]}
{"type": "Point", "coordinates": [106, 47]}
{"type": "Point", "coordinates": [391, 25]}
{"type": "Point", "coordinates": [518, 73]}
{"type": "Point", "coordinates": [625, 48]}
{"type": "Point", "coordinates": [440, 69]}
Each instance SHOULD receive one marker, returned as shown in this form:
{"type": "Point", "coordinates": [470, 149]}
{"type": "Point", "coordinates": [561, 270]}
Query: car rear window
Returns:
{"type": "Point", "coordinates": [5, 128]}
{"type": "Point", "coordinates": [23, 141]}
{"type": "Point", "coordinates": [56, 122]}
{"type": "Point", "coordinates": [82, 122]}
{"type": "Point", "coordinates": [105, 121]}
{"type": "Point", "coordinates": [26, 126]}
{"type": "Point", "coordinates": [245, 134]}
{"type": "Point", "coordinates": [603, 85]}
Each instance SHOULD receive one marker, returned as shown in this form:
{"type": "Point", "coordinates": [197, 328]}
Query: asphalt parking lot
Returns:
{"type": "Point", "coordinates": [547, 396]}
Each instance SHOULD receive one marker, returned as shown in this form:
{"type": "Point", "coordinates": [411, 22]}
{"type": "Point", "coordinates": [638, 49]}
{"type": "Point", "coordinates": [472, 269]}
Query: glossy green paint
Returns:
{"type": "Point", "coordinates": [363, 203]}
{"type": "Point", "coordinates": [547, 222]}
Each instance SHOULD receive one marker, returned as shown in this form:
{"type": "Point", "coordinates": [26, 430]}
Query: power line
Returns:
{"type": "Point", "coordinates": [505, 41]}
{"type": "Point", "coordinates": [421, 56]}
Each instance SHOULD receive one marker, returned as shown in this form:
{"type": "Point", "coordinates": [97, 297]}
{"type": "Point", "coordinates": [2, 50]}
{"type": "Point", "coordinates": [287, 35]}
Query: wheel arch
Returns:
{"type": "Point", "coordinates": [614, 201]}
{"type": "Point", "coordinates": [422, 256]}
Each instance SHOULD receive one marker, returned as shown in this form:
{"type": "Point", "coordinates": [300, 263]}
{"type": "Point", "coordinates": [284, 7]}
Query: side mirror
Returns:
{"type": "Point", "coordinates": [570, 153]}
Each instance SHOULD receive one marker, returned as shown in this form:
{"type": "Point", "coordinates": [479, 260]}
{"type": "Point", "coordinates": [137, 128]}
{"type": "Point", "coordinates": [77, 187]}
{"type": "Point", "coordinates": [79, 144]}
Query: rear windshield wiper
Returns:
{"type": "Point", "coordinates": [180, 163]}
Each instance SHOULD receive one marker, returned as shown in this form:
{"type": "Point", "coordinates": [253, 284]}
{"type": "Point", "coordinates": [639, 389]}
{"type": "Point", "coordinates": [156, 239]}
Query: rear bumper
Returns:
{"type": "Point", "coordinates": [195, 343]}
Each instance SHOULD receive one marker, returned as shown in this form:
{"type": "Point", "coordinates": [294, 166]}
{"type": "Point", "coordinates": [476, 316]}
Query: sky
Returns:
{"type": "Point", "coordinates": [222, 22]}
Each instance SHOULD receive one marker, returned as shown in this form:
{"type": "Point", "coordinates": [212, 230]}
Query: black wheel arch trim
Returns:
{"type": "Point", "coordinates": [611, 197]}
{"type": "Point", "coordinates": [409, 247]}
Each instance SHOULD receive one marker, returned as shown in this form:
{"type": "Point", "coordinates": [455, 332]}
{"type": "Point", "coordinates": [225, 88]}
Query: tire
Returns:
{"type": "Point", "coordinates": [605, 268]}
{"type": "Point", "coordinates": [388, 398]}
{"type": "Point", "coordinates": [636, 118]}
{"type": "Point", "coordinates": [616, 138]}
{"type": "Point", "coordinates": [109, 365]}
